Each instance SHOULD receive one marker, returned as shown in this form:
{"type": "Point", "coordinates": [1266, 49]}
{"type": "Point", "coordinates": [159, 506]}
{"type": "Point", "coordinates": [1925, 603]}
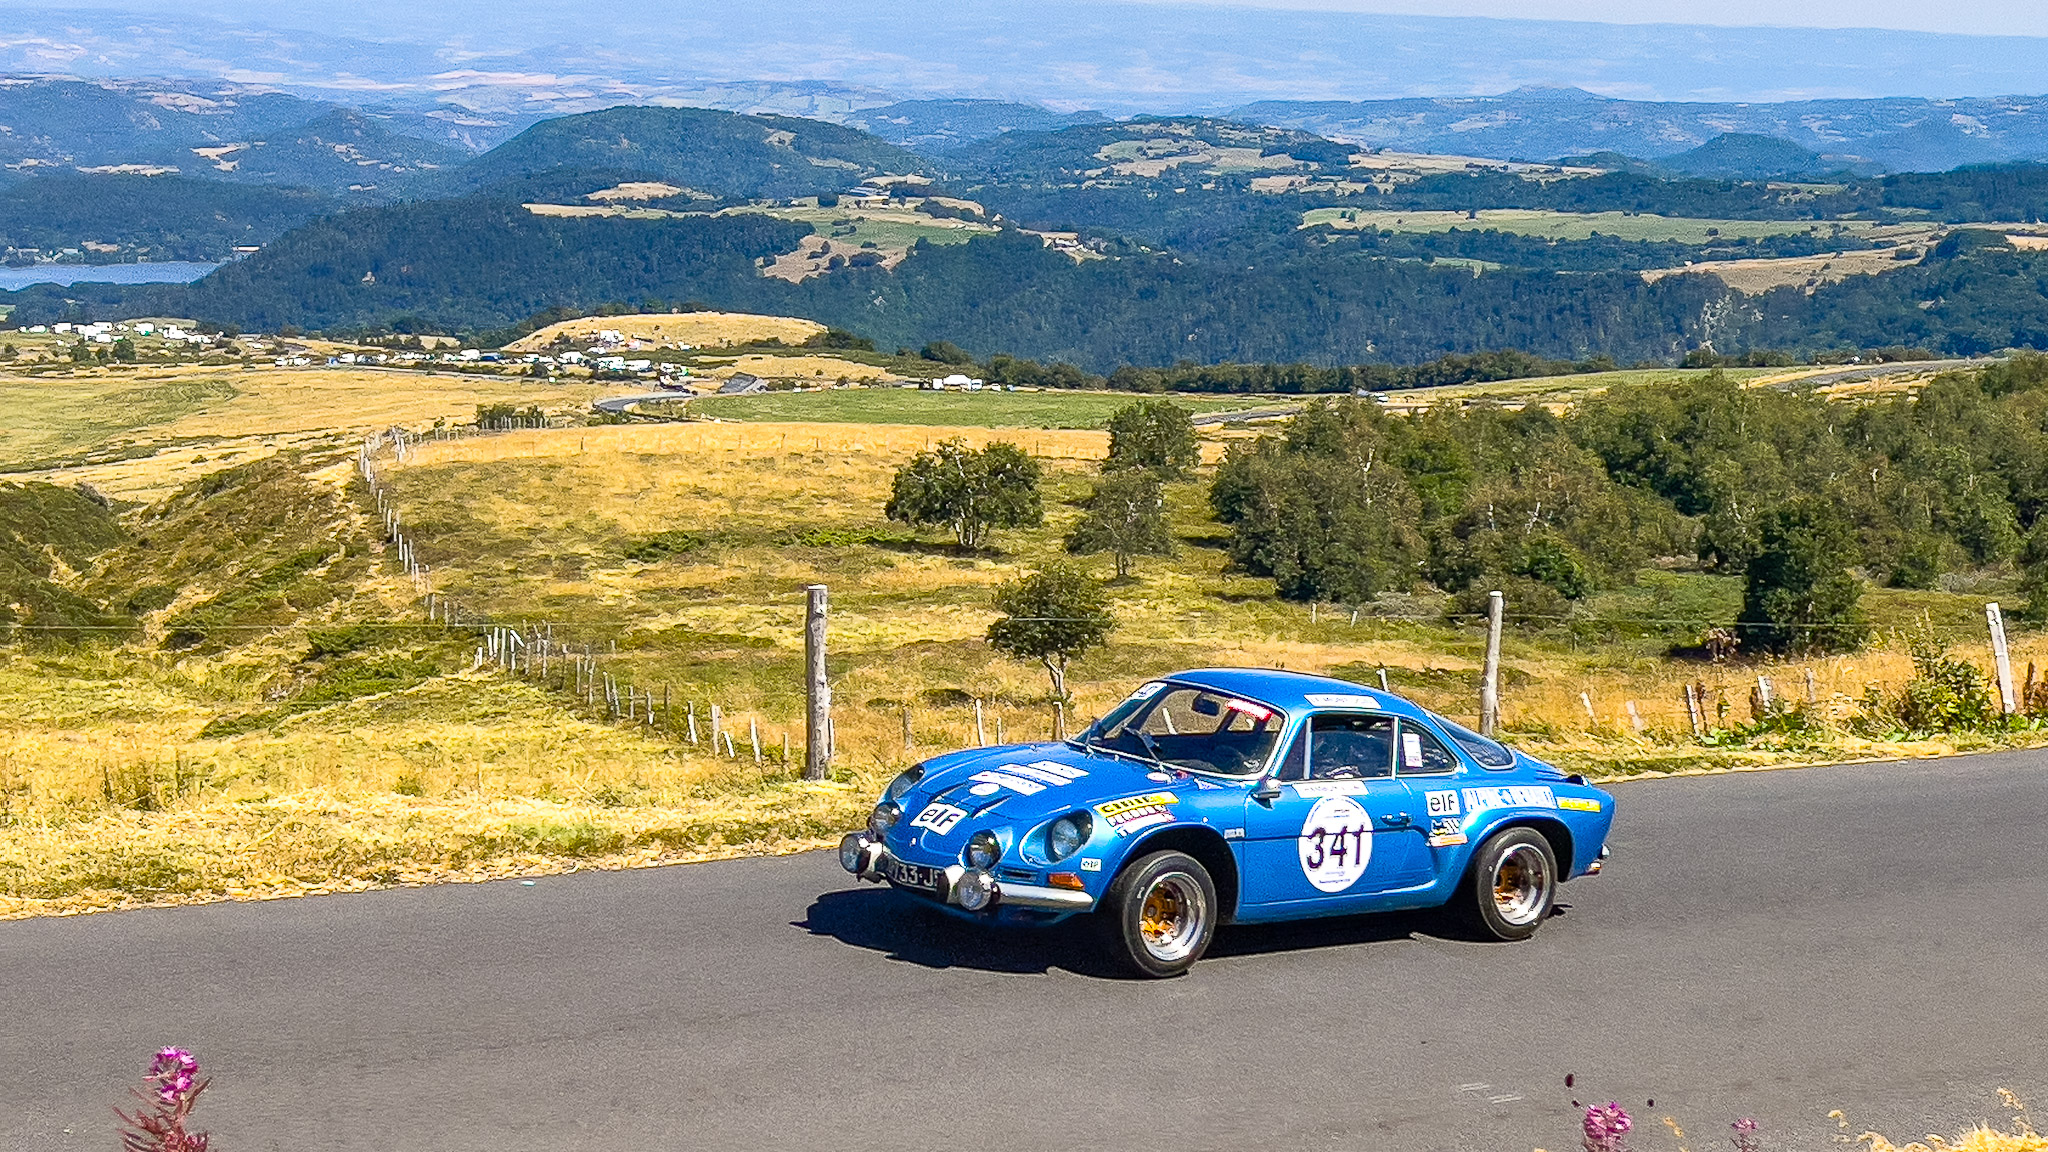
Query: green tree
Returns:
{"type": "Point", "coordinates": [2034, 572]}
{"type": "Point", "coordinates": [1799, 597]}
{"type": "Point", "coordinates": [1052, 617]}
{"type": "Point", "coordinates": [1154, 434]}
{"type": "Point", "coordinates": [124, 350]}
{"type": "Point", "coordinates": [946, 352]}
{"type": "Point", "coordinates": [969, 492]}
{"type": "Point", "coordinates": [1126, 517]}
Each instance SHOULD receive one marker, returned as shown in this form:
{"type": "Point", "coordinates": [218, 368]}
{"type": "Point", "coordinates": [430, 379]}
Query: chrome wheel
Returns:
{"type": "Point", "coordinates": [1521, 885]}
{"type": "Point", "coordinates": [1174, 917]}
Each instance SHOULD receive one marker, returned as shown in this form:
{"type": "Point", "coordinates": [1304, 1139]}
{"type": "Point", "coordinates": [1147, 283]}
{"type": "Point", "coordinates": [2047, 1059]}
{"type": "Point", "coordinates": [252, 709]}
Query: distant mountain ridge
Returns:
{"type": "Point", "coordinates": [1900, 135]}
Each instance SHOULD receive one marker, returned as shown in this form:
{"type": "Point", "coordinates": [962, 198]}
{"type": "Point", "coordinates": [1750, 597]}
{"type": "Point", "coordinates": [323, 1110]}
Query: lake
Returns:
{"type": "Point", "coordinates": [166, 272]}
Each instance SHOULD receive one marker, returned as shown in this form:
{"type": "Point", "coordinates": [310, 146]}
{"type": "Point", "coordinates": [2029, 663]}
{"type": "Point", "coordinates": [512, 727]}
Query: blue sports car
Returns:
{"type": "Point", "coordinates": [1237, 795]}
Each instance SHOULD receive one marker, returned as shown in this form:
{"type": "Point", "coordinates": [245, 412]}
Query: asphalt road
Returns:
{"type": "Point", "coordinates": [1869, 938]}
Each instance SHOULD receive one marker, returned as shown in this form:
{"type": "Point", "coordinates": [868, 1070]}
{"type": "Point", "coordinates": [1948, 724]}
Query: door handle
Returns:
{"type": "Point", "coordinates": [1395, 820]}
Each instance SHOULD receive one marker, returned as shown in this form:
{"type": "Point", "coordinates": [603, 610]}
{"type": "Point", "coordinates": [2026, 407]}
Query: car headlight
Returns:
{"type": "Point", "coordinates": [883, 818]}
{"type": "Point", "coordinates": [976, 890]}
{"type": "Point", "coordinates": [983, 849]}
{"type": "Point", "coordinates": [1066, 836]}
{"type": "Point", "coordinates": [904, 782]}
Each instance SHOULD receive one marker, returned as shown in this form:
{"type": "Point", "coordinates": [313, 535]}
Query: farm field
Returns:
{"type": "Point", "coordinates": [137, 432]}
{"type": "Point", "coordinates": [990, 409]}
{"type": "Point", "coordinates": [1753, 276]}
{"type": "Point", "coordinates": [1582, 225]}
{"type": "Point", "coordinates": [315, 731]}
{"type": "Point", "coordinates": [697, 329]}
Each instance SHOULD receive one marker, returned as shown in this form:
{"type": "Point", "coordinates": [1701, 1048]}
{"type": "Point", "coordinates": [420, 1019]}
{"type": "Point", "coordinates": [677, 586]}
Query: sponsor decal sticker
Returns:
{"type": "Point", "coordinates": [1510, 796]}
{"type": "Point", "coordinates": [1028, 779]}
{"type": "Point", "coordinates": [1330, 787]}
{"type": "Point", "coordinates": [940, 818]}
{"type": "Point", "coordinates": [1335, 843]}
{"type": "Point", "coordinates": [1445, 833]}
{"type": "Point", "coordinates": [1442, 803]}
{"type": "Point", "coordinates": [1134, 813]}
{"type": "Point", "coordinates": [1147, 691]}
{"type": "Point", "coordinates": [1578, 804]}
{"type": "Point", "coordinates": [1255, 711]}
{"type": "Point", "coordinates": [1091, 865]}
{"type": "Point", "coordinates": [1340, 700]}
{"type": "Point", "coordinates": [1411, 750]}
{"type": "Point", "coordinates": [1233, 833]}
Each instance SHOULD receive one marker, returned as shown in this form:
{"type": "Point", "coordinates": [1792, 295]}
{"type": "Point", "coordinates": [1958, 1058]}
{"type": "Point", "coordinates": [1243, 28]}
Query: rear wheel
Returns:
{"type": "Point", "coordinates": [1160, 914]}
{"type": "Point", "coordinates": [1512, 884]}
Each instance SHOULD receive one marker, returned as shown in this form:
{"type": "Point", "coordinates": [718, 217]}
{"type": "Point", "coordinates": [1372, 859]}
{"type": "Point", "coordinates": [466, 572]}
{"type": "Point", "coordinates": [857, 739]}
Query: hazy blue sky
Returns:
{"type": "Point", "coordinates": [1980, 17]}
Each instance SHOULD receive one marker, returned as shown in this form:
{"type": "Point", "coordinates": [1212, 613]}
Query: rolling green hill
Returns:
{"type": "Point", "coordinates": [721, 153]}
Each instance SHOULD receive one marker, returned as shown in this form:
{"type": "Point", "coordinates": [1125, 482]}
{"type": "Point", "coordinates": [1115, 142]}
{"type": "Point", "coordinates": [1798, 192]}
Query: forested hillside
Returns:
{"type": "Point", "coordinates": [719, 153]}
{"type": "Point", "coordinates": [150, 217]}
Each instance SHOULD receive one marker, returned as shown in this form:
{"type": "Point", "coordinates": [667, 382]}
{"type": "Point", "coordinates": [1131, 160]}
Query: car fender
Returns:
{"type": "Point", "coordinates": [1553, 828]}
{"type": "Point", "coordinates": [1202, 841]}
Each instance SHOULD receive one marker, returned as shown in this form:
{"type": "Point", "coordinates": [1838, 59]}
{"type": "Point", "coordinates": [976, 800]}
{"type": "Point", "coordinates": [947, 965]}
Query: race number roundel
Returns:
{"type": "Point", "coordinates": [1336, 843]}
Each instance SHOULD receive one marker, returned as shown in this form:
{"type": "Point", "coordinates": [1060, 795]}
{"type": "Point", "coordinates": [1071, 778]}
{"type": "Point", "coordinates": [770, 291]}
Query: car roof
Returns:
{"type": "Point", "coordinates": [1290, 691]}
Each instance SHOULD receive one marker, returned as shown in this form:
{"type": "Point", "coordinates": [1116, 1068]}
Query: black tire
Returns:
{"type": "Point", "coordinates": [1180, 924]}
{"type": "Point", "coordinates": [1511, 886]}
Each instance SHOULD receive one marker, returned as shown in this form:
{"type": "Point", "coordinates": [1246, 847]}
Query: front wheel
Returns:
{"type": "Point", "coordinates": [1512, 884]}
{"type": "Point", "coordinates": [1160, 913]}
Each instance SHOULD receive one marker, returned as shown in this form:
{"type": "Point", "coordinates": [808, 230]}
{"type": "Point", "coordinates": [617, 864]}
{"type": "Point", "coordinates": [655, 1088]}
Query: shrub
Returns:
{"type": "Point", "coordinates": [1052, 617]}
{"type": "Point", "coordinates": [1154, 434]}
{"type": "Point", "coordinates": [1126, 517]}
{"type": "Point", "coordinates": [1945, 694]}
{"type": "Point", "coordinates": [1800, 598]}
{"type": "Point", "coordinates": [968, 491]}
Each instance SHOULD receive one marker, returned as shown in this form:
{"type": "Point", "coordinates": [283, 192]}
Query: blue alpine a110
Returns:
{"type": "Point", "coordinates": [1237, 795]}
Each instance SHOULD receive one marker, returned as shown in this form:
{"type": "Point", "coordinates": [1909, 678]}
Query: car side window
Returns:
{"type": "Point", "coordinates": [1350, 747]}
{"type": "Point", "coordinates": [1422, 754]}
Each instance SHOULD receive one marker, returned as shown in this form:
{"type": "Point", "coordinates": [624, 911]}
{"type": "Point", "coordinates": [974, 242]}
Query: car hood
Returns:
{"type": "Point", "coordinates": [1024, 784]}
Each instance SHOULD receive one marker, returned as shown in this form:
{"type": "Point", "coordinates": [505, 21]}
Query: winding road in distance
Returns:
{"type": "Point", "coordinates": [1867, 937]}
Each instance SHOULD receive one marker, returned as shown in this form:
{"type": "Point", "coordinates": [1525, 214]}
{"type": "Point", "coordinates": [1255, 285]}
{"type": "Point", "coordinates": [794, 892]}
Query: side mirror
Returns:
{"type": "Point", "coordinates": [1267, 791]}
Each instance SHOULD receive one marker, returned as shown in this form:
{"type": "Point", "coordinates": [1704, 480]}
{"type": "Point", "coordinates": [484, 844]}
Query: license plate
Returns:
{"type": "Point", "coordinates": [914, 875]}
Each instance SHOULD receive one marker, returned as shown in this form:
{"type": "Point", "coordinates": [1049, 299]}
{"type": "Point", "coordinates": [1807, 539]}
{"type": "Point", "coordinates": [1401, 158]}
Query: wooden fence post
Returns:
{"type": "Point", "coordinates": [2001, 658]}
{"type": "Point", "coordinates": [1693, 712]}
{"type": "Point", "coordinates": [980, 732]}
{"type": "Point", "coordinates": [754, 737]}
{"type": "Point", "coordinates": [1635, 718]}
{"type": "Point", "coordinates": [908, 743]}
{"type": "Point", "coordinates": [1489, 684]}
{"type": "Point", "coordinates": [817, 689]}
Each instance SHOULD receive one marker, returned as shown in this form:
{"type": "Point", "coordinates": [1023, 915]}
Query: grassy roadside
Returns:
{"type": "Point", "coordinates": [316, 735]}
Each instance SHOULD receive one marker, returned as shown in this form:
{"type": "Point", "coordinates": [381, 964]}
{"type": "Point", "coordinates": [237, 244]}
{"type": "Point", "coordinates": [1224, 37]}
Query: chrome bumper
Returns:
{"type": "Point", "coordinates": [869, 861]}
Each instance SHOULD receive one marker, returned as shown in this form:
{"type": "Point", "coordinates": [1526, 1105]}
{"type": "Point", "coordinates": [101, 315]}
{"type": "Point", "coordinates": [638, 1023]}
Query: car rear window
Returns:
{"type": "Point", "coordinates": [1489, 753]}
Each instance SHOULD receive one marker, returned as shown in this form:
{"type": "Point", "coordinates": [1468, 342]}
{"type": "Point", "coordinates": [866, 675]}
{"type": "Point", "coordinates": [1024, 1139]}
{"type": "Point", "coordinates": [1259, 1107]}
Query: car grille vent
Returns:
{"type": "Point", "coordinates": [1016, 874]}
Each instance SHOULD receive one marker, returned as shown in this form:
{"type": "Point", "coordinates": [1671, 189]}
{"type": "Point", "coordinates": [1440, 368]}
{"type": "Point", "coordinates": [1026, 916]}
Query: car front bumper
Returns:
{"type": "Point", "coordinates": [872, 862]}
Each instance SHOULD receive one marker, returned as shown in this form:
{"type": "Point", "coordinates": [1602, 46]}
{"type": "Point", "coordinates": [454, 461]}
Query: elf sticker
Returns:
{"type": "Point", "coordinates": [1335, 843]}
{"type": "Point", "coordinates": [940, 818]}
{"type": "Point", "coordinates": [1442, 803]}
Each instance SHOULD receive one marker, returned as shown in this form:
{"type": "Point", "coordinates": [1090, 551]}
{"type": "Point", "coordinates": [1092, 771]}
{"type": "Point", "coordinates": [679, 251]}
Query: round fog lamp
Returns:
{"type": "Point", "coordinates": [983, 850]}
{"type": "Point", "coordinates": [851, 847]}
{"type": "Point", "coordinates": [976, 890]}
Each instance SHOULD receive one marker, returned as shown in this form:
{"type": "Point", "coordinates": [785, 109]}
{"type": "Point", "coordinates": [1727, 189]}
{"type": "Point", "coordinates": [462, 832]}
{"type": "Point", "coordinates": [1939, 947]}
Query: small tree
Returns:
{"type": "Point", "coordinates": [1154, 434]}
{"type": "Point", "coordinates": [1799, 598]}
{"type": "Point", "coordinates": [970, 492]}
{"type": "Point", "coordinates": [1051, 617]}
{"type": "Point", "coordinates": [1126, 517]}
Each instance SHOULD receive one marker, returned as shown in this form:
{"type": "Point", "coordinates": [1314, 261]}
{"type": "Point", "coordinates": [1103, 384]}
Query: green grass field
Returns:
{"type": "Point", "coordinates": [1568, 225]}
{"type": "Point", "coordinates": [953, 409]}
{"type": "Point", "coordinates": [886, 228]}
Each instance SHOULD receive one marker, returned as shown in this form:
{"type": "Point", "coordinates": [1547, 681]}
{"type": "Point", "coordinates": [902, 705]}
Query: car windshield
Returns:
{"type": "Point", "coordinates": [1194, 728]}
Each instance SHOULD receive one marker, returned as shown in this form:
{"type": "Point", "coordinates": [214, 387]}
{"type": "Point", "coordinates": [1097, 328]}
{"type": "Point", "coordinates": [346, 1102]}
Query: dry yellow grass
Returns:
{"type": "Point", "coordinates": [240, 415]}
{"type": "Point", "coordinates": [1809, 272]}
{"type": "Point", "coordinates": [2020, 1136]}
{"type": "Point", "coordinates": [814, 369]}
{"type": "Point", "coordinates": [698, 329]}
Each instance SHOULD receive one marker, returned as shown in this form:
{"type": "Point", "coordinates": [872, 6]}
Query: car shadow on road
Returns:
{"type": "Point", "coordinates": [907, 929]}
